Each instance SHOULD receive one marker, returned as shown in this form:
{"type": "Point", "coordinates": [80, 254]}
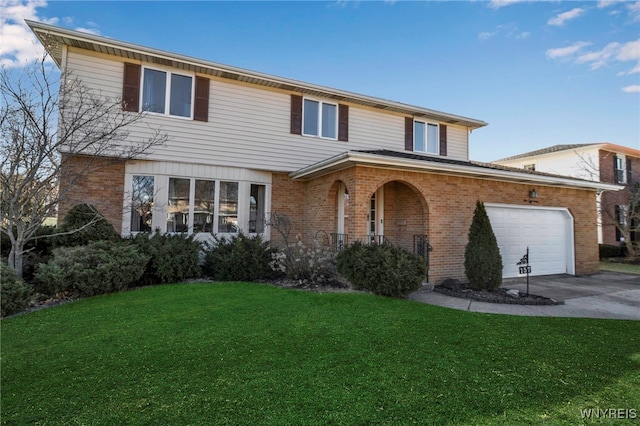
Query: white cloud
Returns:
{"type": "Point", "coordinates": [606, 3]}
{"type": "Point", "coordinates": [619, 52]}
{"type": "Point", "coordinates": [561, 52]}
{"type": "Point", "coordinates": [563, 17]}
{"type": "Point", "coordinates": [629, 51]}
{"type": "Point", "coordinates": [634, 10]}
{"type": "Point", "coordinates": [506, 30]}
{"type": "Point", "coordinates": [19, 45]}
{"type": "Point", "coordinates": [497, 4]}
{"type": "Point", "coordinates": [600, 57]}
{"type": "Point", "coordinates": [486, 35]}
{"type": "Point", "coordinates": [632, 89]}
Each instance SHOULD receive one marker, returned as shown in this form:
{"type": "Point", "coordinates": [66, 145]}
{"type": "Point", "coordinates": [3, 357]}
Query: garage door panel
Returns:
{"type": "Point", "coordinates": [544, 231]}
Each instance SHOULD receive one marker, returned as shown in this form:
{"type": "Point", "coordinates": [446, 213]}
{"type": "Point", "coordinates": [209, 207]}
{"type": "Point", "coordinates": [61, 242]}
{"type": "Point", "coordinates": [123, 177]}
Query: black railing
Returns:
{"type": "Point", "coordinates": [339, 241]}
{"type": "Point", "coordinates": [422, 248]}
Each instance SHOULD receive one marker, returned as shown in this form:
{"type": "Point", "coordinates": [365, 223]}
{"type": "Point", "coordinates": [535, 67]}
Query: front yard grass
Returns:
{"type": "Point", "coordinates": [241, 353]}
{"type": "Point", "coordinates": [627, 268]}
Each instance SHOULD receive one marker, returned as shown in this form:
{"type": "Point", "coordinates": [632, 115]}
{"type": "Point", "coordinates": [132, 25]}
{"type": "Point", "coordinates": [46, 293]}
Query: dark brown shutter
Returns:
{"type": "Point", "coordinates": [131, 87]}
{"type": "Point", "coordinates": [408, 134]}
{"type": "Point", "coordinates": [343, 123]}
{"type": "Point", "coordinates": [201, 107]}
{"type": "Point", "coordinates": [629, 172]}
{"type": "Point", "coordinates": [443, 139]}
{"type": "Point", "coordinates": [296, 114]}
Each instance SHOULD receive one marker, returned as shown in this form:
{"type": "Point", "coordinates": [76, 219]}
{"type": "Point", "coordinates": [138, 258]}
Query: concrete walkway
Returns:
{"type": "Point", "coordinates": [602, 295]}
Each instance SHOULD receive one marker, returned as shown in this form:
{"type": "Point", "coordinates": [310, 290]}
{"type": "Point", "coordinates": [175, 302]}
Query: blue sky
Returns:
{"type": "Point", "coordinates": [540, 73]}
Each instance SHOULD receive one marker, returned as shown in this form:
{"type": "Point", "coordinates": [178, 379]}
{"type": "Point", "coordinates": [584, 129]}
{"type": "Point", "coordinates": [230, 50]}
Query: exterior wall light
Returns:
{"type": "Point", "coordinates": [533, 193]}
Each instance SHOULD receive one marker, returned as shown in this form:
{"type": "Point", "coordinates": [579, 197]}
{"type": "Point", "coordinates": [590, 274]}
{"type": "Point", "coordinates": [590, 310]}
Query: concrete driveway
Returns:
{"type": "Point", "coordinates": [602, 295]}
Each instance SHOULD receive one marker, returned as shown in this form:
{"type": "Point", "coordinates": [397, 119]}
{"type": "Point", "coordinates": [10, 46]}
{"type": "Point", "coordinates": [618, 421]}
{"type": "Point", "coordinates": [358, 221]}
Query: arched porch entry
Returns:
{"type": "Point", "coordinates": [397, 213]}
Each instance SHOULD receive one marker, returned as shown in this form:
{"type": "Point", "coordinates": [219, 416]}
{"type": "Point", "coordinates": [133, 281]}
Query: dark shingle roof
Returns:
{"type": "Point", "coordinates": [476, 164]}
{"type": "Point", "coordinates": [548, 150]}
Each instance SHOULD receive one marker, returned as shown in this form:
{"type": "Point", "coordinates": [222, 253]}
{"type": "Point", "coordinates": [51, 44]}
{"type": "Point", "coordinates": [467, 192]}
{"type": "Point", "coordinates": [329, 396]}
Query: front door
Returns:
{"type": "Point", "coordinates": [376, 217]}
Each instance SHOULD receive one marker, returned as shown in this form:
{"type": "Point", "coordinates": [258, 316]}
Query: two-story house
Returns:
{"type": "Point", "coordinates": [603, 162]}
{"type": "Point", "coordinates": [243, 144]}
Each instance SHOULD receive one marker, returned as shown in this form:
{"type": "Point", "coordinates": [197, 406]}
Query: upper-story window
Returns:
{"type": "Point", "coordinates": [320, 119]}
{"type": "Point", "coordinates": [620, 173]}
{"type": "Point", "coordinates": [531, 167]}
{"type": "Point", "coordinates": [167, 93]}
{"type": "Point", "coordinates": [425, 137]}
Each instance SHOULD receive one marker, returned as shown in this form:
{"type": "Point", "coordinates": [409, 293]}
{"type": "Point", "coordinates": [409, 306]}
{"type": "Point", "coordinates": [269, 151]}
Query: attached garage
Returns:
{"type": "Point", "coordinates": [547, 231]}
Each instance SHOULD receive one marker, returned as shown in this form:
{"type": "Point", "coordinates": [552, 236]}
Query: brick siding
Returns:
{"type": "Point", "coordinates": [438, 205]}
{"type": "Point", "coordinates": [95, 181]}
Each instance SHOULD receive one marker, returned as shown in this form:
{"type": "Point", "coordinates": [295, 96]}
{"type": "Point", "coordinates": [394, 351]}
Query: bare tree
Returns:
{"type": "Point", "coordinates": [48, 118]}
{"type": "Point", "coordinates": [620, 210]}
{"type": "Point", "coordinates": [625, 217]}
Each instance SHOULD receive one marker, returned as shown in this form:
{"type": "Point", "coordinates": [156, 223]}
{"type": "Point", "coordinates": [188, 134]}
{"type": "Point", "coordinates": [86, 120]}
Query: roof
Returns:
{"type": "Point", "coordinates": [53, 38]}
{"type": "Point", "coordinates": [570, 147]}
{"type": "Point", "coordinates": [424, 163]}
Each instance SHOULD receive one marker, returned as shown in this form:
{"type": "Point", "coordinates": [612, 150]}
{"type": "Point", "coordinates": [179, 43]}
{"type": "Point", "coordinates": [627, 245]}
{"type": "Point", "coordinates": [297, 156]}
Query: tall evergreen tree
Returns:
{"type": "Point", "coordinates": [482, 259]}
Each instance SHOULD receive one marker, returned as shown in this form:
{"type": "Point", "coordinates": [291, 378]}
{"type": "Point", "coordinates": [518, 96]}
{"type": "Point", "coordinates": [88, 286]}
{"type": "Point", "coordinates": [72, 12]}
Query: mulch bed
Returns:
{"type": "Point", "coordinates": [456, 288]}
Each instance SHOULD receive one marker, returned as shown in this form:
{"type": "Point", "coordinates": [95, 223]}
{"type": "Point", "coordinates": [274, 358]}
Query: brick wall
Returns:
{"type": "Point", "coordinates": [610, 199]}
{"type": "Point", "coordinates": [438, 205]}
{"type": "Point", "coordinates": [95, 181]}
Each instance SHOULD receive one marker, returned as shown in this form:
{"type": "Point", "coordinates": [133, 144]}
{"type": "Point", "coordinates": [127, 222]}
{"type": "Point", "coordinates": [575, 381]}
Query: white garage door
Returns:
{"type": "Point", "coordinates": [547, 232]}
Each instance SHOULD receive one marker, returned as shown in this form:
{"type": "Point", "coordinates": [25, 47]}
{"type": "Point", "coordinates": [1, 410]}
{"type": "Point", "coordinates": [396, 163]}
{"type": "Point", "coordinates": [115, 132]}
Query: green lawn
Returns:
{"type": "Point", "coordinates": [260, 355]}
{"type": "Point", "coordinates": [620, 267]}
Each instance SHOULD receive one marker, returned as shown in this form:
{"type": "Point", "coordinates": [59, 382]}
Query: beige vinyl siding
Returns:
{"type": "Point", "coordinates": [248, 125]}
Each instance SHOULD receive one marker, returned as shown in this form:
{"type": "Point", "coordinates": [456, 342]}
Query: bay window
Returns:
{"type": "Point", "coordinates": [192, 205]}
{"type": "Point", "coordinates": [228, 216]}
{"type": "Point", "coordinates": [142, 203]}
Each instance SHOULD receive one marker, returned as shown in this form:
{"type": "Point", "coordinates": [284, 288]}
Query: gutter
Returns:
{"type": "Point", "coordinates": [350, 158]}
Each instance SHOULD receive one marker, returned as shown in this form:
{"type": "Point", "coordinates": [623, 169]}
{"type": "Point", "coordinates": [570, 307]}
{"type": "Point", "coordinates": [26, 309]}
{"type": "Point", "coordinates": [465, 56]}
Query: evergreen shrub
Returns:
{"type": "Point", "coordinates": [173, 257]}
{"type": "Point", "coordinates": [96, 227]}
{"type": "Point", "coordinates": [482, 259]}
{"type": "Point", "coordinates": [239, 258]}
{"type": "Point", "coordinates": [382, 269]}
{"type": "Point", "coordinates": [96, 268]}
{"type": "Point", "coordinates": [14, 293]}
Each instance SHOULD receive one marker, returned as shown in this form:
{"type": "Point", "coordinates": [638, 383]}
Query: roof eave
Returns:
{"type": "Point", "coordinates": [357, 158]}
{"type": "Point", "coordinates": [45, 31]}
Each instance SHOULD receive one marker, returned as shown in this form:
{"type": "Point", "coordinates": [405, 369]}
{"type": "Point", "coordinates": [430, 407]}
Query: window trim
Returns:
{"type": "Point", "coordinates": [426, 141]}
{"type": "Point", "coordinates": [167, 100]}
{"type": "Point", "coordinates": [620, 169]}
{"type": "Point", "coordinates": [320, 117]}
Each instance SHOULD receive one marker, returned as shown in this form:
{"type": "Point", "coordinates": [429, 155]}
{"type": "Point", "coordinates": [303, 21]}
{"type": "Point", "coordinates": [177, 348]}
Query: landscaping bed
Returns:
{"type": "Point", "coordinates": [503, 295]}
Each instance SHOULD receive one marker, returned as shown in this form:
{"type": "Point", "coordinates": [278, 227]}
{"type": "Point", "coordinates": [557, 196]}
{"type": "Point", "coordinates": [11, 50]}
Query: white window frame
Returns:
{"type": "Point", "coordinates": [320, 117]}
{"type": "Point", "coordinates": [161, 198]}
{"type": "Point", "coordinates": [426, 142]}
{"type": "Point", "coordinates": [167, 100]}
{"type": "Point", "coordinates": [621, 161]}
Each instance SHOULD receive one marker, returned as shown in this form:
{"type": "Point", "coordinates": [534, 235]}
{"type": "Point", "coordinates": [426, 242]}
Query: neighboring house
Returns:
{"type": "Point", "coordinates": [244, 144]}
{"type": "Point", "coordinates": [603, 162]}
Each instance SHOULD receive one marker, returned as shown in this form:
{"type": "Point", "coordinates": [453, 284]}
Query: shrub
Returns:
{"type": "Point", "coordinates": [300, 262]}
{"type": "Point", "coordinates": [96, 268]}
{"type": "Point", "coordinates": [37, 250]}
{"type": "Point", "coordinates": [382, 269]}
{"type": "Point", "coordinates": [96, 227]}
{"type": "Point", "coordinates": [608, 251]}
{"type": "Point", "coordinates": [239, 258]}
{"type": "Point", "coordinates": [482, 259]}
{"type": "Point", "coordinates": [173, 257]}
{"type": "Point", "coordinates": [14, 293]}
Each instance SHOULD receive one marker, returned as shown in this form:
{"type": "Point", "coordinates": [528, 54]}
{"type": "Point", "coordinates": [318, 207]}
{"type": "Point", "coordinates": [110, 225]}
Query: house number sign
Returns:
{"type": "Point", "coordinates": [524, 267]}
